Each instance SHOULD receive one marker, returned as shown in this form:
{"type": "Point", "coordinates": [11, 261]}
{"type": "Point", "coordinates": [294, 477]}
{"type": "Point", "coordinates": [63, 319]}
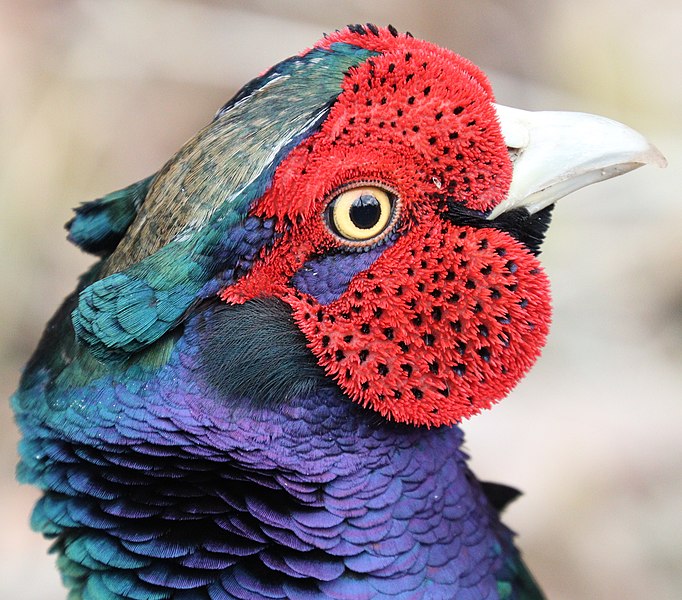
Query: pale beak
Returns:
{"type": "Point", "coordinates": [556, 153]}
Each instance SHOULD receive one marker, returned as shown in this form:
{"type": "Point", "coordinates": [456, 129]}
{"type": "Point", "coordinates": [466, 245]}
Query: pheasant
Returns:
{"type": "Point", "coordinates": [256, 391]}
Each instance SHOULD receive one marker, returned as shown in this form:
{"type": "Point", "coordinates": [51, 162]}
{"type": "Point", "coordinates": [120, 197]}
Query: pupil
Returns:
{"type": "Point", "coordinates": [365, 211]}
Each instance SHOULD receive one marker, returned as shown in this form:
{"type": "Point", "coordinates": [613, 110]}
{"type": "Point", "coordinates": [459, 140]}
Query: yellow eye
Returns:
{"type": "Point", "coordinates": [362, 213]}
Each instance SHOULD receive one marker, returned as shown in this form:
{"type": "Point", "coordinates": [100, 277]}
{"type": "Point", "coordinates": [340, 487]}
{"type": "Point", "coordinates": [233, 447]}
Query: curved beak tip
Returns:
{"type": "Point", "coordinates": [657, 158]}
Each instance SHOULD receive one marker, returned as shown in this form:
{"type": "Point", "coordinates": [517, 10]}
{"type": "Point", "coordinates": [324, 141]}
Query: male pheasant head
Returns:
{"type": "Point", "coordinates": [410, 227]}
{"type": "Point", "coordinates": [400, 213]}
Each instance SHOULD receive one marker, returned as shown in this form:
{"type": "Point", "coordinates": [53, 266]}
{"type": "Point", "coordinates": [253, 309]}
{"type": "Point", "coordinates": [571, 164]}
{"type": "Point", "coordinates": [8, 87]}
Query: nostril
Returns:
{"type": "Point", "coordinates": [514, 153]}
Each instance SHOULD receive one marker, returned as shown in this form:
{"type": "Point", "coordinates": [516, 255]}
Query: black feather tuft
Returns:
{"type": "Point", "coordinates": [528, 229]}
{"type": "Point", "coordinates": [254, 351]}
{"type": "Point", "coordinates": [373, 28]}
{"type": "Point", "coordinates": [358, 29]}
{"type": "Point", "coordinates": [519, 223]}
{"type": "Point", "coordinates": [499, 495]}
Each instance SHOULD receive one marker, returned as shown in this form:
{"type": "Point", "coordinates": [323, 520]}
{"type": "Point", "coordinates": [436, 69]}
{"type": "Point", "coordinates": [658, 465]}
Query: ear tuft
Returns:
{"type": "Point", "coordinates": [100, 225]}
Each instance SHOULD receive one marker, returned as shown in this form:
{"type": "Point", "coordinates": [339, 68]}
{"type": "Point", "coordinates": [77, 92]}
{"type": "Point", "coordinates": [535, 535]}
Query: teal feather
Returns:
{"type": "Point", "coordinates": [99, 225]}
{"type": "Point", "coordinates": [523, 586]}
{"type": "Point", "coordinates": [128, 311]}
{"type": "Point", "coordinates": [111, 553]}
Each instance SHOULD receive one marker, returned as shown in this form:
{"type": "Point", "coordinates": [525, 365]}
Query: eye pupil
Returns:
{"type": "Point", "coordinates": [365, 211]}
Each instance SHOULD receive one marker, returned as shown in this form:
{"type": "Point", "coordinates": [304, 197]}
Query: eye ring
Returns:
{"type": "Point", "coordinates": [362, 213]}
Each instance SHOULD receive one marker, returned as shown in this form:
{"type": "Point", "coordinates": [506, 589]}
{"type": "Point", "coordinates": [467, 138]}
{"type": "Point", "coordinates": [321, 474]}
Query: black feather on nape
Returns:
{"type": "Point", "coordinates": [499, 495]}
{"type": "Point", "coordinates": [373, 29]}
{"type": "Point", "coordinates": [357, 29]}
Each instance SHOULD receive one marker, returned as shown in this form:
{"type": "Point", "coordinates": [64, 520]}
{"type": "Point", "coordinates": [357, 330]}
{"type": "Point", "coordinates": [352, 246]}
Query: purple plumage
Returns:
{"type": "Point", "coordinates": [166, 484]}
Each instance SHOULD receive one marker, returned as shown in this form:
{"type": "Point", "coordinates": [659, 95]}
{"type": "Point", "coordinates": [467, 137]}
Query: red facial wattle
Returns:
{"type": "Point", "coordinates": [427, 336]}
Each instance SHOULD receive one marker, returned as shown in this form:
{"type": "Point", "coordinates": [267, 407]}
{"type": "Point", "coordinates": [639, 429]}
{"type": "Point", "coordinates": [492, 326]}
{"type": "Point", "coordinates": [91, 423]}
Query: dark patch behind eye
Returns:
{"type": "Point", "coordinates": [255, 351]}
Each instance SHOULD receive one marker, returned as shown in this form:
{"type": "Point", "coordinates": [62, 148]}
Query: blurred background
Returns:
{"type": "Point", "coordinates": [97, 94]}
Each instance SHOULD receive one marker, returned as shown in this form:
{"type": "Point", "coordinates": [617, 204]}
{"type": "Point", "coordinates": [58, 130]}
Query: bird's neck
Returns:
{"type": "Point", "coordinates": [313, 498]}
{"type": "Point", "coordinates": [175, 486]}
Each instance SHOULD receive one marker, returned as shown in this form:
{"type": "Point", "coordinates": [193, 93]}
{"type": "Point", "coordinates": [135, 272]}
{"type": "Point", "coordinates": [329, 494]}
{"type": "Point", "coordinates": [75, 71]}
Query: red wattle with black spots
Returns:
{"type": "Point", "coordinates": [433, 334]}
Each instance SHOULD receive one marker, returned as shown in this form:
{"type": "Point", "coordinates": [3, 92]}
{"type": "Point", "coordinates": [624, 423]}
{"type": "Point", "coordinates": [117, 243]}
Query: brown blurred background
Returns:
{"type": "Point", "coordinates": [96, 94]}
